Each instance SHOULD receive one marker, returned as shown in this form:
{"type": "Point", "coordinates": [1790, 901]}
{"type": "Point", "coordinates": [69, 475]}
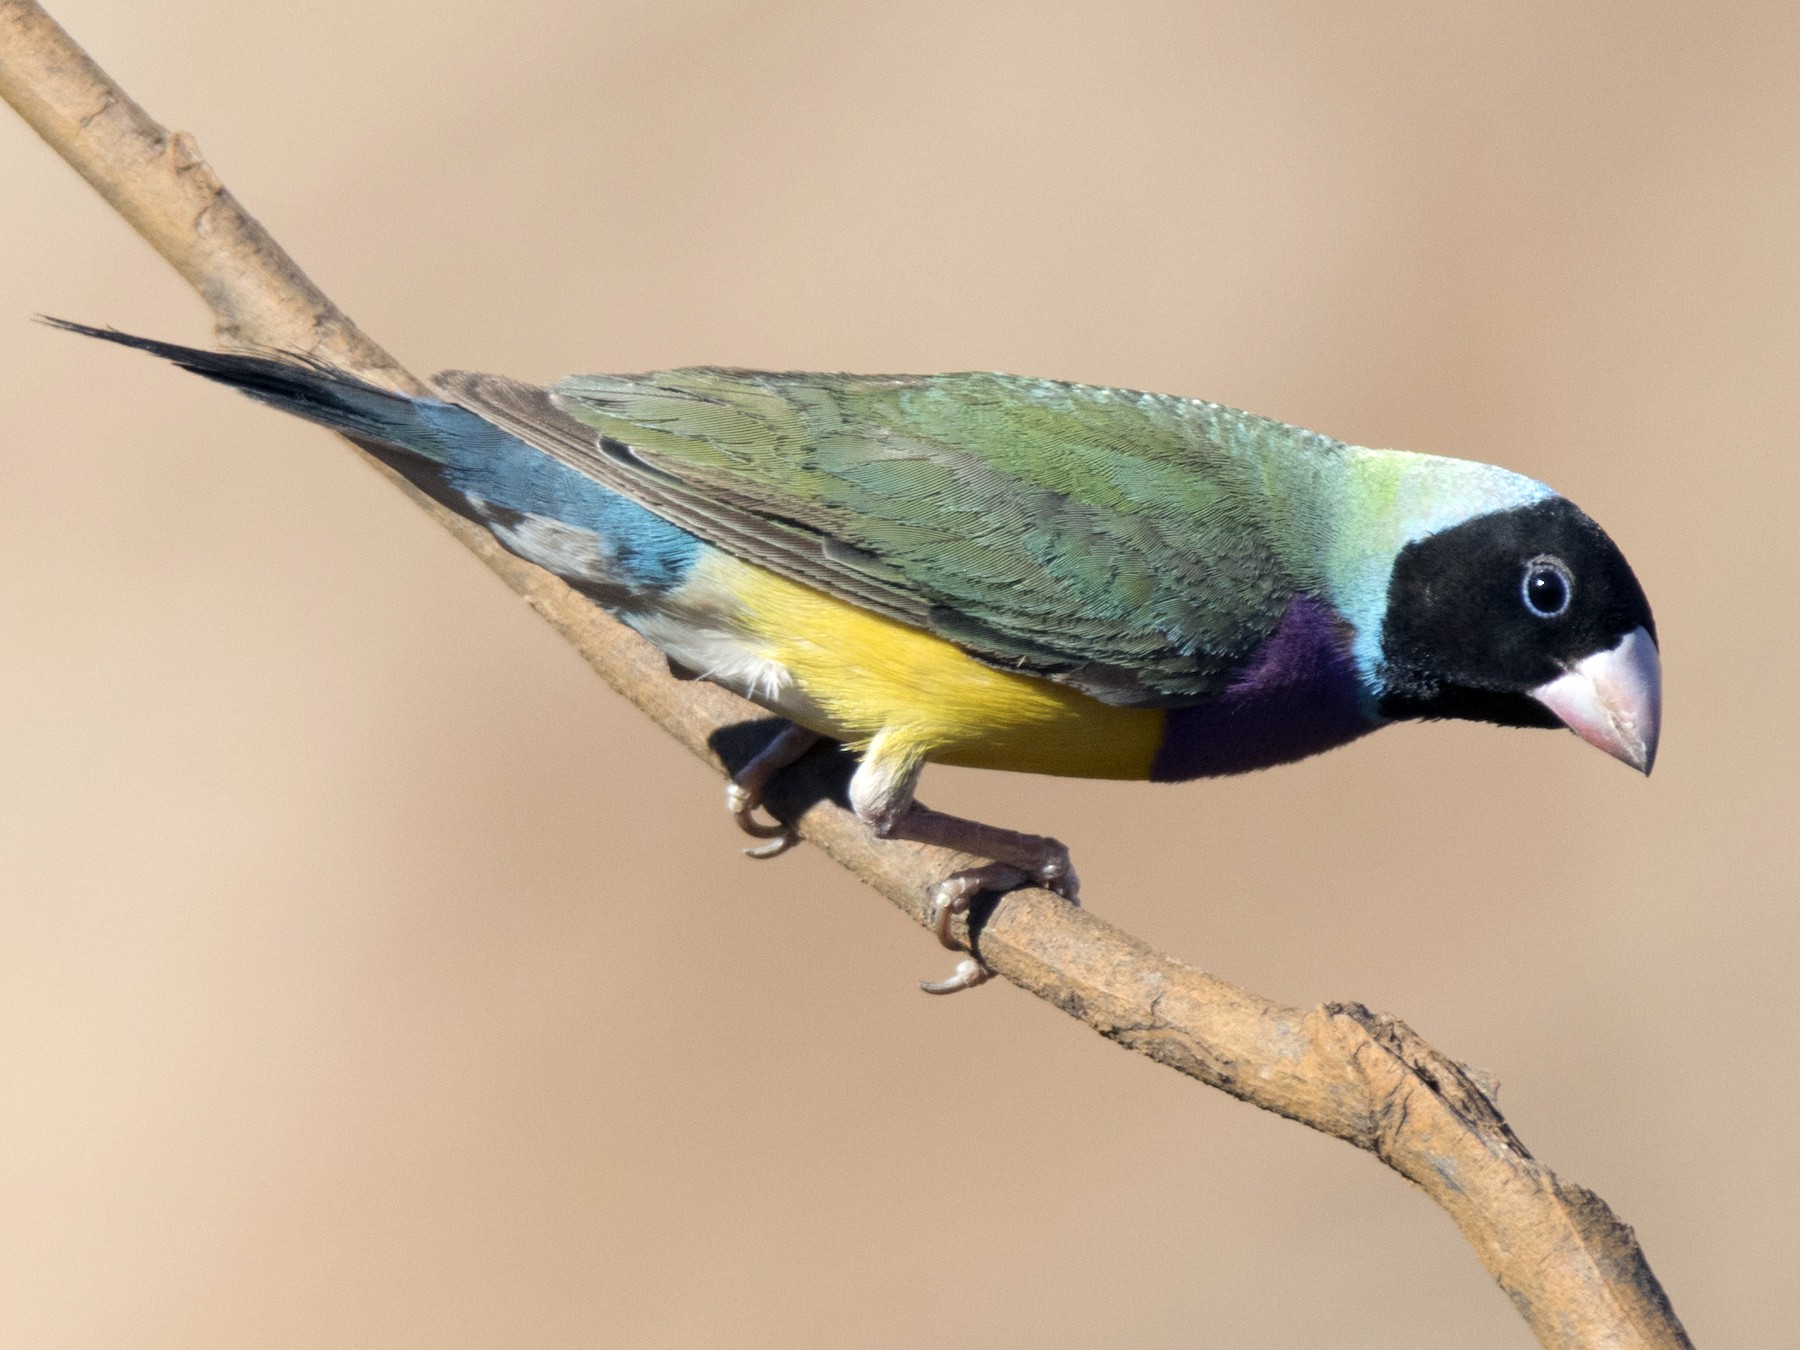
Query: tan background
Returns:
{"type": "Point", "coordinates": [371, 976]}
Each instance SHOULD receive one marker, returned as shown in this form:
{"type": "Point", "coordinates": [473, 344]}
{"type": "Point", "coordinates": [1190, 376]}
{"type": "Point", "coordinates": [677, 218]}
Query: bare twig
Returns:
{"type": "Point", "coordinates": [1573, 1270]}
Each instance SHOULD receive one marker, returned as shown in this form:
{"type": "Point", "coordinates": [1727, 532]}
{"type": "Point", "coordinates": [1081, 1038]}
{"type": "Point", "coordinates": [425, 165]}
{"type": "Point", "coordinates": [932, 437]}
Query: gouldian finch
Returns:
{"type": "Point", "coordinates": [1021, 574]}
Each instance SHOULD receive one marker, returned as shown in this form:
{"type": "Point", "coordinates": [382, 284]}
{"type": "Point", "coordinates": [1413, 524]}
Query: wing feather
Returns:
{"type": "Point", "coordinates": [1116, 542]}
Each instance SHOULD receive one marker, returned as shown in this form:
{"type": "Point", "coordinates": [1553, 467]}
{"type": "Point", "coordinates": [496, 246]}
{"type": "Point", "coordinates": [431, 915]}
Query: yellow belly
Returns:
{"type": "Point", "coordinates": [865, 674]}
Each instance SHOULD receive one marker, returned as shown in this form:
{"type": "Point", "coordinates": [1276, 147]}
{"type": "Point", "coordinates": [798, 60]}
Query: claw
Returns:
{"type": "Point", "coordinates": [955, 893]}
{"type": "Point", "coordinates": [743, 794]}
{"type": "Point", "coordinates": [968, 973]}
{"type": "Point", "coordinates": [774, 848]}
{"type": "Point", "coordinates": [780, 836]}
{"type": "Point", "coordinates": [742, 803]}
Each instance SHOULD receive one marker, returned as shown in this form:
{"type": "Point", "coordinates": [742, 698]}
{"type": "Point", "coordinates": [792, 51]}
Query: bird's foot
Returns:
{"type": "Point", "coordinates": [1020, 860]}
{"type": "Point", "coordinates": [881, 793]}
{"type": "Point", "coordinates": [743, 794]}
{"type": "Point", "coordinates": [743, 804]}
{"type": "Point", "coordinates": [956, 893]}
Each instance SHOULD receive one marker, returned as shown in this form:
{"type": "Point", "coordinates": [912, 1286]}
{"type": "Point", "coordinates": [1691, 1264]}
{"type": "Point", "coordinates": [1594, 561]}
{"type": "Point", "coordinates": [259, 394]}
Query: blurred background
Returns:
{"type": "Point", "coordinates": [371, 975]}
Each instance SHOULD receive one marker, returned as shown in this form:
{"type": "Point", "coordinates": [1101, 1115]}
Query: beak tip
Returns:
{"type": "Point", "coordinates": [1613, 700]}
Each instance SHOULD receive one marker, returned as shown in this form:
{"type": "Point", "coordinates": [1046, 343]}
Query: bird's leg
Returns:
{"type": "Point", "coordinates": [744, 793]}
{"type": "Point", "coordinates": [881, 792]}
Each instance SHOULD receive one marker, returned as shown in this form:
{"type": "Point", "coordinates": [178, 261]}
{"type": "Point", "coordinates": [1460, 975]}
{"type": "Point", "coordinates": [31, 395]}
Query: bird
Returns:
{"type": "Point", "coordinates": [1015, 573]}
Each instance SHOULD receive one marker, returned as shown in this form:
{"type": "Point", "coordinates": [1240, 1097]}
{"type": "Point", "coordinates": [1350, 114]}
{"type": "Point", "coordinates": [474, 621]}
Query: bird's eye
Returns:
{"type": "Point", "coordinates": [1546, 587]}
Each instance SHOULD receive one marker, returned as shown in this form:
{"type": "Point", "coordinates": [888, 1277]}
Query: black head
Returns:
{"type": "Point", "coordinates": [1491, 618]}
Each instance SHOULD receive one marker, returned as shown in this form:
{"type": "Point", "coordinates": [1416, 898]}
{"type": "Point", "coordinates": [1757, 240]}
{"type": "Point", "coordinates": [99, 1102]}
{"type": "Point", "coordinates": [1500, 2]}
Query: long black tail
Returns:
{"type": "Point", "coordinates": [297, 385]}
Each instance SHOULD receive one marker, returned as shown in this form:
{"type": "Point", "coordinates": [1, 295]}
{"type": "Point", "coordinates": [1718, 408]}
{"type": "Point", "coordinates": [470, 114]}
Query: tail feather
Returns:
{"type": "Point", "coordinates": [548, 513]}
{"type": "Point", "coordinates": [296, 385]}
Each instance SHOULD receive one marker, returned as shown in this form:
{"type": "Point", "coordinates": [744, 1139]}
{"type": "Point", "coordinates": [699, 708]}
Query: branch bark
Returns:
{"type": "Point", "coordinates": [1574, 1271]}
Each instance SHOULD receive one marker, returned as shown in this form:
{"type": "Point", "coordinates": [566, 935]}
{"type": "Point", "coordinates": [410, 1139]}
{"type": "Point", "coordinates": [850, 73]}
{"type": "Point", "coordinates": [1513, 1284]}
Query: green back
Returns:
{"type": "Point", "coordinates": [1138, 546]}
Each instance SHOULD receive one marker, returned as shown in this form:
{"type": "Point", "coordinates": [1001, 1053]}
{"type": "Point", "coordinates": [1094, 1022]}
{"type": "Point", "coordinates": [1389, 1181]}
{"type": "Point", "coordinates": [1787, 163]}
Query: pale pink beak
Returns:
{"type": "Point", "coordinates": [1613, 699]}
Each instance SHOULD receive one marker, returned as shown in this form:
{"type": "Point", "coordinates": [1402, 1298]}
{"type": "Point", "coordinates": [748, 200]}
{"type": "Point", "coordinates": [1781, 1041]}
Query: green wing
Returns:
{"type": "Point", "coordinates": [1129, 544]}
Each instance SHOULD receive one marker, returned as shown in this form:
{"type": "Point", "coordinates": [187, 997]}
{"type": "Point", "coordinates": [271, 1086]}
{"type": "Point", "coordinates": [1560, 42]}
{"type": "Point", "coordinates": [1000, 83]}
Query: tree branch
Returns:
{"type": "Point", "coordinates": [1572, 1268]}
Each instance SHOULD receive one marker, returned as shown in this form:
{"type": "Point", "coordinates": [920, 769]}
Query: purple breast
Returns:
{"type": "Point", "coordinates": [1299, 695]}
